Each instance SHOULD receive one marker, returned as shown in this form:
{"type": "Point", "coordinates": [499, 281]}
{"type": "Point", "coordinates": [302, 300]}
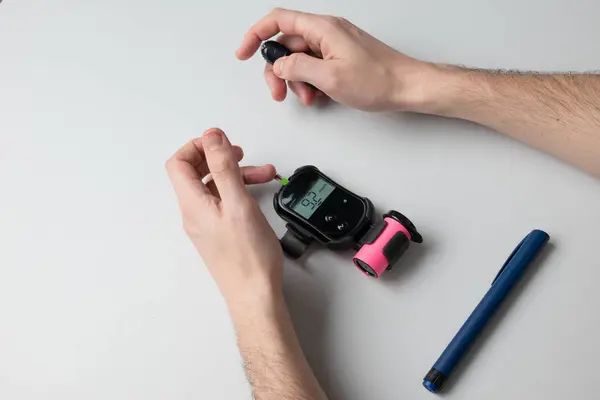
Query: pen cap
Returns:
{"type": "Point", "coordinates": [385, 243]}
{"type": "Point", "coordinates": [272, 51]}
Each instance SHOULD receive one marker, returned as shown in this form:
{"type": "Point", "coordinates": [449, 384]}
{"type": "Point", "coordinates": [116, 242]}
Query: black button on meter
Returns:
{"type": "Point", "coordinates": [342, 226]}
{"type": "Point", "coordinates": [318, 209]}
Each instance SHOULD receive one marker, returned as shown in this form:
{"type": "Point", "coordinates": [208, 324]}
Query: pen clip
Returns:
{"type": "Point", "coordinates": [509, 258]}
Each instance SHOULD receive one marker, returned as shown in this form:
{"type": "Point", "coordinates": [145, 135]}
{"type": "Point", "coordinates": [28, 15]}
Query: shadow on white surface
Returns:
{"type": "Point", "coordinates": [309, 307]}
{"type": "Point", "coordinates": [308, 300]}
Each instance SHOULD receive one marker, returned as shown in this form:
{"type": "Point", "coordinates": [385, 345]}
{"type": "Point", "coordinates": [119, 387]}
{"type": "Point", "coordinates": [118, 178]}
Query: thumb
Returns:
{"type": "Point", "coordinates": [300, 67]}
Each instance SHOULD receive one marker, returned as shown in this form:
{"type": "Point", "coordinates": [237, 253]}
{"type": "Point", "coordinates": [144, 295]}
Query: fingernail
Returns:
{"type": "Point", "coordinates": [212, 140]}
{"type": "Point", "coordinates": [278, 66]}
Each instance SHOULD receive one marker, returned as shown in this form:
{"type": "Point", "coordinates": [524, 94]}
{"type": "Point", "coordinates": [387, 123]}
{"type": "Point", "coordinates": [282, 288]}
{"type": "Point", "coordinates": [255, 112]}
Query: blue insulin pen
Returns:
{"type": "Point", "coordinates": [509, 275]}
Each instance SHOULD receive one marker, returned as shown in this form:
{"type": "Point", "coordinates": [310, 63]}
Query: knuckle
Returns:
{"type": "Point", "coordinates": [343, 24]}
{"type": "Point", "coordinates": [342, 21]}
{"type": "Point", "coordinates": [190, 226]}
{"type": "Point", "coordinates": [173, 165]}
{"type": "Point", "coordinates": [222, 173]}
{"type": "Point", "coordinates": [222, 162]}
{"type": "Point", "coordinates": [275, 11]}
{"type": "Point", "coordinates": [189, 229]}
{"type": "Point", "coordinates": [332, 25]}
{"type": "Point", "coordinates": [330, 19]}
{"type": "Point", "coordinates": [169, 164]}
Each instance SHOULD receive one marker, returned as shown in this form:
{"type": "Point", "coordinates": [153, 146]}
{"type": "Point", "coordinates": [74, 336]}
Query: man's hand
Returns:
{"type": "Point", "coordinates": [346, 63]}
{"type": "Point", "coordinates": [558, 113]}
{"type": "Point", "coordinates": [222, 219]}
{"type": "Point", "coordinates": [245, 258]}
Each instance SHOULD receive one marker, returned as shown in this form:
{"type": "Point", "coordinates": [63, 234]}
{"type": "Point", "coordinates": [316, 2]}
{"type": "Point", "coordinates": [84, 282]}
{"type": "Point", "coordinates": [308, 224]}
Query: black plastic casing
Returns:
{"type": "Point", "coordinates": [308, 231]}
{"type": "Point", "coordinates": [272, 51]}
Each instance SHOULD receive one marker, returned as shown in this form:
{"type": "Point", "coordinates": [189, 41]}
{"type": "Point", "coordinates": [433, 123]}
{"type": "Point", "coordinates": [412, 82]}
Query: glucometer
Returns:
{"type": "Point", "coordinates": [317, 209]}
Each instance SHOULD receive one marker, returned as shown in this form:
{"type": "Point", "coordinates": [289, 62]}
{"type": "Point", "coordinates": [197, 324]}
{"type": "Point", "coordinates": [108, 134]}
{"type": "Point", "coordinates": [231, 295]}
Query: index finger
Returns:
{"type": "Point", "coordinates": [309, 26]}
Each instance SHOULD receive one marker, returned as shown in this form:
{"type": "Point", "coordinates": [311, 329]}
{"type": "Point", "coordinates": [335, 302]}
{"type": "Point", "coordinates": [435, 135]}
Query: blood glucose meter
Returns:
{"type": "Point", "coordinates": [317, 209]}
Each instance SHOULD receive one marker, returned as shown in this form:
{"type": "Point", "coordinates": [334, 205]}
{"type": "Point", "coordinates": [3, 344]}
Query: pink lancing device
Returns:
{"type": "Point", "coordinates": [372, 254]}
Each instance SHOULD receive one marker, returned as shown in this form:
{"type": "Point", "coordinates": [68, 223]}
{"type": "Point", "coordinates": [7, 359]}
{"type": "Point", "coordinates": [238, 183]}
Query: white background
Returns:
{"type": "Point", "coordinates": [103, 297]}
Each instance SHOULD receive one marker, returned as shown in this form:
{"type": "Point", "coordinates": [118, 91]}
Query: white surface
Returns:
{"type": "Point", "coordinates": [102, 296]}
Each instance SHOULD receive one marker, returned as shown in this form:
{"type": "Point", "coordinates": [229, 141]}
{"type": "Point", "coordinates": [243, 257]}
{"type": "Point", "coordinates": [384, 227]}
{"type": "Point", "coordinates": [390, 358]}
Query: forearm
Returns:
{"type": "Point", "coordinates": [557, 113]}
{"type": "Point", "coordinates": [273, 360]}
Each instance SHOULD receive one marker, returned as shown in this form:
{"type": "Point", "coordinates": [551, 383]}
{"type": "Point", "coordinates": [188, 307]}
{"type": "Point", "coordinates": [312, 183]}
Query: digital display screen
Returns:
{"type": "Point", "coordinates": [313, 199]}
